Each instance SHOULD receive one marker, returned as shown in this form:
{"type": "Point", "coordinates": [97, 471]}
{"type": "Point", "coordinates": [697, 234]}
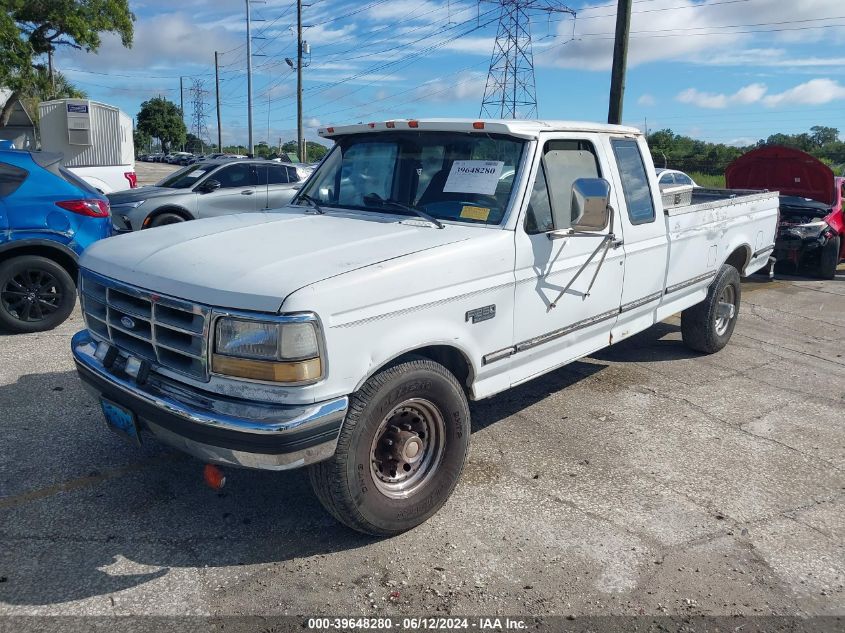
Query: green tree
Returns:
{"type": "Point", "coordinates": [162, 119]}
{"type": "Point", "coordinates": [141, 141]}
{"type": "Point", "coordinates": [822, 135]}
{"type": "Point", "coordinates": [30, 29]}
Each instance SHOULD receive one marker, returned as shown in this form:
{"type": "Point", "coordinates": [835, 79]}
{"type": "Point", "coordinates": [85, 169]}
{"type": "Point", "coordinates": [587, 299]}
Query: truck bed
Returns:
{"type": "Point", "coordinates": [718, 224]}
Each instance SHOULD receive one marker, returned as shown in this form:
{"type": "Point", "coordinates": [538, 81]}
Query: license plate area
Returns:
{"type": "Point", "coordinates": [121, 420]}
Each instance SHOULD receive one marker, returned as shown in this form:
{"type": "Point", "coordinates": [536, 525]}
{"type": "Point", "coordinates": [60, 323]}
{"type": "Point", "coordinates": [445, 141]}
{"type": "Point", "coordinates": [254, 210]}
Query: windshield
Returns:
{"type": "Point", "coordinates": [185, 178]}
{"type": "Point", "coordinates": [449, 175]}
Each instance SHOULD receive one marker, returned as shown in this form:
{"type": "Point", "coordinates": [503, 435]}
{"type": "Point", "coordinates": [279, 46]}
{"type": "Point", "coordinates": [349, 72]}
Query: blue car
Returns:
{"type": "Point", "coordinates": [48, 217]}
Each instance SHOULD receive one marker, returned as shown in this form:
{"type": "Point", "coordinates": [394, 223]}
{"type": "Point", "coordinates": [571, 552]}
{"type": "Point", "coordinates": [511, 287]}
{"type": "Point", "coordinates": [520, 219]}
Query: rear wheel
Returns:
{"type": "Point", "coordinates": [707, 327]}
{"type": "Point", "coordinates": [36, 294]}
{"type": "Point", "coordinates": [830, 258]}
{"type": "Point", "coordinates": [166, 218]}
{"type": "Point", "coordinates": [401, 450]}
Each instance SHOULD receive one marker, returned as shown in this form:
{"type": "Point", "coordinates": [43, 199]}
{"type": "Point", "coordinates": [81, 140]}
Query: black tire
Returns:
{"type": "Point", "coordinates": [36, 294]}
{"type": "Point", "coordinates": [829, 258]}
{"type": "Point", "coordinates": [348, 484]}
{"type": "Point", "coordinates": [703, 327]}
{"type": "Point", "coordinates": [163, 219]}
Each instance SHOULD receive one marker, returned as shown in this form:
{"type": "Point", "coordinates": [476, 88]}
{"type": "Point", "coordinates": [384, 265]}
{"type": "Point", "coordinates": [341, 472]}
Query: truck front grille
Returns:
{"type": "Point", "coordinates": [168, 332]}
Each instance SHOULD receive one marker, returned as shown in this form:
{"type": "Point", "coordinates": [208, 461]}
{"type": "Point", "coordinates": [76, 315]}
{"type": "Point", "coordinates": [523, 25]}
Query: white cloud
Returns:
{"type": "Point", "coordinates": [467, 85]}
{"type": "Point", "coordinates": [694, 31]}
{"type": "Point", "coordinates": [813, 92]}
{"type": "Point", "coordinates": [647, 100]}
{"type": "Point", "coordinates": [746, 95]}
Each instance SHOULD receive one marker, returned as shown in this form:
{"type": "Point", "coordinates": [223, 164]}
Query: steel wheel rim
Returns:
{"type": "Point", "coordinates": [727, 298]}
{"type": "Point", "coordinates": [31, 295]}
{"type": "Point", "coordinates": [407, 448]}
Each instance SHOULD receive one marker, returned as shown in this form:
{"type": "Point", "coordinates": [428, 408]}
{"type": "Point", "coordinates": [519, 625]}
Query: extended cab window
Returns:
{"type": "Point", "coordinates": [459, 176]}
{"type": "Point", "coordinates": [635, 184]}
{"type": "Point", "coordinates": [273, 175]}
{"type": "Point", "coordinates": [563, 163]}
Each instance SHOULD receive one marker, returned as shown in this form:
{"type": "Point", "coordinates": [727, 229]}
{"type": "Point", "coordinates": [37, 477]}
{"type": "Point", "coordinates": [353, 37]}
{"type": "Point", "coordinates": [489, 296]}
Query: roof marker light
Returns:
{"type": "Point", "coordinates": [330, 130]}
{"type": "Point", "coordinates": [371, 125]}
{"type": "Point", "coordinates": [413, 123]}
{"type": "Point", "coordinates": [478, 125]}
{"type": "Point", "coordinates": [391, 124]}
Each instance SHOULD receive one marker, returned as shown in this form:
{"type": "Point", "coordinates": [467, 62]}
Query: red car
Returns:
{"type": "Point", "coordinates": [811, 232]}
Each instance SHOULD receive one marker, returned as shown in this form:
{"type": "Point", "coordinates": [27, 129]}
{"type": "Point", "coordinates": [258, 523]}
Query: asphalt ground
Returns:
{"type": "Point", "coordinates": [151, 173]}
{"type": "Point", "coordinates": [646, 479]}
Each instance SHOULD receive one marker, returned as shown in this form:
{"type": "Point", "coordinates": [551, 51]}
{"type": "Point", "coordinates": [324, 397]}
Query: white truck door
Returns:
{"type": "Point", "coordinates": [546, 337]}
{"type": "Point", "coordinates": [643, 229]}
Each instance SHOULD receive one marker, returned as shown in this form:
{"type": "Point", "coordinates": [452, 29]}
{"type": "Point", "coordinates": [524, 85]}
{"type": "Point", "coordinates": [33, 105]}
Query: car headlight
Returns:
{"type": "Point", "coordinates": [268, 351]}
{"type": "Point", "coordinates": [128, 205]}
{"type": "Point", "coordinates": [810, 229]}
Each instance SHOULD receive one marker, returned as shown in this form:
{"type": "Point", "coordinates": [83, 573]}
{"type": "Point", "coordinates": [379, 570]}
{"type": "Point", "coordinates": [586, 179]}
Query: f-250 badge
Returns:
{"type": "Point", "coordinates": [481, 314]}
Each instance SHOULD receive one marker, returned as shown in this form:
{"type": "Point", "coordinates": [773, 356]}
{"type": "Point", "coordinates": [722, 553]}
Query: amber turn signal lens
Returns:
{"type": "Point", "coordinates": [270, 371]}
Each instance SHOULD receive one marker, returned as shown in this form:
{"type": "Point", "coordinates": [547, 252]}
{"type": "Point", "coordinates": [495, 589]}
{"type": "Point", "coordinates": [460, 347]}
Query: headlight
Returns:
{"type": "Point", "coordinates": [129, 205]}
{"type": "Point", "coordinates": [263, 350]}
{"type": "Point", "coordinates": [811, 229]}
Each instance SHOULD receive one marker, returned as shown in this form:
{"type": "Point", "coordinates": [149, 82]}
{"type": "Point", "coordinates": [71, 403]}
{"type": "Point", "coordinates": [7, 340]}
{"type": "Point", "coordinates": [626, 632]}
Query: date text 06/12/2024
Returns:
{"type": "Point", "coordinates": [416, 624]}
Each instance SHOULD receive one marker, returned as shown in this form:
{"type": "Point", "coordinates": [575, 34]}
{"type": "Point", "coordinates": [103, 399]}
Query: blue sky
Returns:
{"type": "Point", "coordinates": [728, 71]}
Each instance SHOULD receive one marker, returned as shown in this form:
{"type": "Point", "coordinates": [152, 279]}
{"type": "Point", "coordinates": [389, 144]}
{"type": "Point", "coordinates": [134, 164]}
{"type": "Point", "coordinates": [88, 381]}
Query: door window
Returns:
{"type": "Point", "coordinates": [237, 175]}
{"type": "Point", "coordinates": [563, 163]}
{"type": "Point", "coordinates": [635, 184]}
{"type": "Point", "coordinates": [272, 175]}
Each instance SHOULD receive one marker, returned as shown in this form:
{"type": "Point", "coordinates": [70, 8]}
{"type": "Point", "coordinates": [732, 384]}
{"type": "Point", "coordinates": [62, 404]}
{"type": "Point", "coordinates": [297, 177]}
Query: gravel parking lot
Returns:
{"type": "Point", "coordinates": [151, 173]}
{"type": "Point", "coordinates": [644, 480]}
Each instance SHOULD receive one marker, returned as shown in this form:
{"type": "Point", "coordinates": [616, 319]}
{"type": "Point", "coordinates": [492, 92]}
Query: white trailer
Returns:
{"type": "Point", "coordinates": [95, 139]}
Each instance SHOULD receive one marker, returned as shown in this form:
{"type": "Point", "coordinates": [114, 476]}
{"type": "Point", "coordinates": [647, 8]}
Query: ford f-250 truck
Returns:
{"type": "Point", "coordinates": [424, 264]}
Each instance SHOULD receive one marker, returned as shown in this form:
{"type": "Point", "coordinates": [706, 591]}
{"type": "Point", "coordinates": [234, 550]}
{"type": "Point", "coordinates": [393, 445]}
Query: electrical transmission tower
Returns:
{"type": "Point", "coordinates": [199, 117]}
{"type": "Point", "coordinates": [510, 92]}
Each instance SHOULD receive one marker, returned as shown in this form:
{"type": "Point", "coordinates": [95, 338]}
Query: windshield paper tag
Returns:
{"type": "Point", "coordinates": [474, 176]}
{"type": "Point", "coordinates": [475, 213]}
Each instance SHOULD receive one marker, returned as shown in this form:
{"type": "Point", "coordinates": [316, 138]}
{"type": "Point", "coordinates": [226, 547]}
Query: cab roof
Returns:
{"type": "Point", "coordinates": [512, 127]}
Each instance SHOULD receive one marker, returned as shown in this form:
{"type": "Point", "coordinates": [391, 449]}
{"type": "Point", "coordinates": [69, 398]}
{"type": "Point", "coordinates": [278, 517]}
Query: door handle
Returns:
{"type": "Point", "coordinates": [247, 192]}
{"type": "Point", "coordinates": [617, 243]}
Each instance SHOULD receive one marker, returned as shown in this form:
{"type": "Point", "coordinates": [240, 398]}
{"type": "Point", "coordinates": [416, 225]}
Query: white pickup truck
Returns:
{"type": "Point", "coordinates": [424, 264]}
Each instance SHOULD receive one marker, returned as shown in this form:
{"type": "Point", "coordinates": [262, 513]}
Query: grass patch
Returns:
{"type": "Point", "coordinates": [708, 180]}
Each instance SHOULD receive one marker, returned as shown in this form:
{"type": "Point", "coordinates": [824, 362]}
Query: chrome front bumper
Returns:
{"type": "Point", "coordinates": [214, 428]}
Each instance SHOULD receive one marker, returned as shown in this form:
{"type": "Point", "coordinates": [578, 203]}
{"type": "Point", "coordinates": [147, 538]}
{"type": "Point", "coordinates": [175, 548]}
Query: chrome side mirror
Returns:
{"type": "Point", "coordinates": [590, 198]}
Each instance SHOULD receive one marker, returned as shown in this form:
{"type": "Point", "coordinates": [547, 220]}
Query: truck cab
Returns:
{"type": "Point", "coordinates": [425, 263]}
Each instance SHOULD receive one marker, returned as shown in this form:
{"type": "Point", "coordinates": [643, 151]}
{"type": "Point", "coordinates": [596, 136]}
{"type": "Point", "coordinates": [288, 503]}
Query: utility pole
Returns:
{"type": "Point", "coordinates": [217, 93]}
{"type": "Point", "coordinates": [620, 61]}
{"type": "Point", "coordinates": [249, 79]}
{"type": "Point", "coordinates": [299, 139]}
{"type": "Point", "coordinates": [181, 105]}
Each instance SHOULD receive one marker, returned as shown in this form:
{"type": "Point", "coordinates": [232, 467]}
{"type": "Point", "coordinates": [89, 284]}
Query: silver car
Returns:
{"type": "Point", "coordinates": [203, 190]}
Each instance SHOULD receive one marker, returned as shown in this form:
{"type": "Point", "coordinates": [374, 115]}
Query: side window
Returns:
{"type": "Point", "coordinates": [277, 175]}
{"type": "Point", "coordinates": [667, 179]}
{"type": "Point", "coordinates": [11, 178]}
{"type": "Point", "coordinates": [292, 176]}
{"type": "Point", "coordinates": [236, 175]}
{"type": "Point", "coordinates": [634, 181]}
{"type": "Point", "coordinates": [564, 162]}
{"type": "Point", "coordinates": [539, 217]}
{"type": "Point", "coordinates": [682, 179]}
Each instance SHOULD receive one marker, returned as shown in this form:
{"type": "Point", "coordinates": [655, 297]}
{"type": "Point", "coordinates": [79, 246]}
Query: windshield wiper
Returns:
{"type": "Point", "coordinates": [314, 204]}
{"type": "Point", "coordinates": [404, 207]}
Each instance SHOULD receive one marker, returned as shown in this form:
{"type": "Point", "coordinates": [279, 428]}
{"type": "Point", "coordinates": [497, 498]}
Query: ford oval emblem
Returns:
{"type": "Point", "coordinates": [127, 322]}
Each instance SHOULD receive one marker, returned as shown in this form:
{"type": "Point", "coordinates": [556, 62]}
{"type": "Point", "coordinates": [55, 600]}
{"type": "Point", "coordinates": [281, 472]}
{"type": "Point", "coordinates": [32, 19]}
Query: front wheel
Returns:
{"type": "Point", "coordinates": [829, 258]}
{"type": "Point", "coordinates": [163, 219]}
{"type": "Point", "coordinates": [401, 450]}
{"type": "Point", "coordinates": [707, 327]}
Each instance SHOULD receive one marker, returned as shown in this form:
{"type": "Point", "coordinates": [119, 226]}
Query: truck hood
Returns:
{"type": "Point", "coordinates": [141, 193]}
{"type": "Point", "coordinates": [253, 261]}
{"type": "Point", "coordinates": [789, 171]}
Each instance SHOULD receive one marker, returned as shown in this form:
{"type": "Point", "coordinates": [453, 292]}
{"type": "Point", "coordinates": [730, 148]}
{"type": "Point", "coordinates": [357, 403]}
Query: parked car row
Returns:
{"type": "Point", "coordinates": [183, 158]}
